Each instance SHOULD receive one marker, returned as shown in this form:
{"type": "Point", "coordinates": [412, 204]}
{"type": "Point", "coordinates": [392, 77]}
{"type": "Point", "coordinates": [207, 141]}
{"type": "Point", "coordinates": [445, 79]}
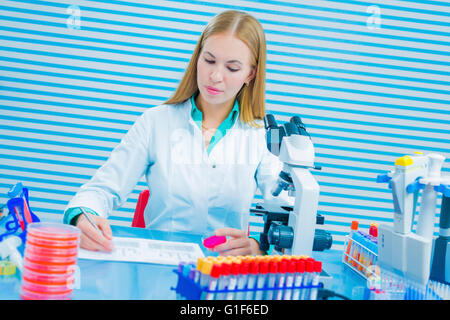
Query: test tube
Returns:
{"type": "Point", "coordinates": [242, 280]}
{"type": "Point", "coordinates": [205, 275]}
{"type": "Point", "coordinates": [307, 280]}
{"type": "Point", "coordinates": [361, 259]}
{"type": "Point", "coordinates": [355, 254]}
{"type": "Point", "coordinates": [180, 274]}
{"type": "Point", "coordinates": [234, 276]}
{"type": "Point", "coordinates": [205, 271]}
{"type": "Point", "coordinates": [281, 279]}
{"type": "Point", "coordinates": [353, 228]}
{"type": "Point", "coordinates": [198, 268]}
{"type": "Point", "coordinates": [315, 279]}
{"type": "Point", "coordinates": [373, 229]}
{"type": "Point", "coordinates": [272, 277]}
{"type": "Point", "coordinates": [187, 269]}
{"type": "Point", "coordinates": [213, 279]}
{"type": "Point", "coordinates": [193, 273]}
{"type": "Point", "coordinates": [290, 275]}
{"type": "Point", "coordinates": [252, 276]}
{"type": "Point", "coordinates": [262, 278]}
{"type": "Point", "coordinates": [298, 281]}
{"type": "Point", "coordinates": [224, 279]}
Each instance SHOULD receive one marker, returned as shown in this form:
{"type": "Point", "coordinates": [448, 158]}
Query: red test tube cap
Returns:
{"type": "Point", "coordinates": [292, 266]}
{"type": "Point", "coordinates": [216, 270]}
{"type": "Point", "coordinates": [318, 266]}
{"type": "Point", "coordinates": [282, 267]}
{"type": "Point", "coordinates": [354, 225]}
{"type": "Point", "coordinates": [301, 266]}
{"type": "Point", "coordinates": [254, 266]}
{"type": "Point", "coordinates": [273, 268]}
{"type": "Point", "coordinates": [264, 267]}
{"type": "Point", "coordinates": [373, 230]}
{"type": "Point", "coordinates": [226, 268]}
{"type": "Point", "coordinates": [309, 266]}
{"type": "Point", "coordinates": [243, 268]}
{"type": "Point", "coordinates": [235, 268]}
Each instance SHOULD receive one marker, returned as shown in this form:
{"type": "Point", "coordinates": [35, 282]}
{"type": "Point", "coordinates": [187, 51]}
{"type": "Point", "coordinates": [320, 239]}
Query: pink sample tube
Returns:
{"type": "Point", "coordinates": [213, 241]}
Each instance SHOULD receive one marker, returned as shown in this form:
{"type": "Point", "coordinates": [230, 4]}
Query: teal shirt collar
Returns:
{"type": "Point", "coordinates": [229, 121]}
{"type": "Point", "coordinates": [197, 115]}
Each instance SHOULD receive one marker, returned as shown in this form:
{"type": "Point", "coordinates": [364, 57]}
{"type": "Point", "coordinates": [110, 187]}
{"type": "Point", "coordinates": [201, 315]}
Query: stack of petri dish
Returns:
{"type": "Point", "coordinates": [50, 259]}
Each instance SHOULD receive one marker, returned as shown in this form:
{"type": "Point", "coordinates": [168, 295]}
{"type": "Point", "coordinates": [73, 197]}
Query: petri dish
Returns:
{"type": "Point", "coordinates": [53, 251]}
{"type": "Point", "coordinates": [48, 279]}
{"type": "Point", "coordinates": [51, 243]}
{"type": "Point", "coordinates": [51, 260]}
{"type": "Point", "coordinates": [47, 288]}
{"type": "Point", "coordinates": [48, 268]}
{"type": "Point", "coordinates": [26, 294]}
{"type": "Point", "coordinates": [53, 231]}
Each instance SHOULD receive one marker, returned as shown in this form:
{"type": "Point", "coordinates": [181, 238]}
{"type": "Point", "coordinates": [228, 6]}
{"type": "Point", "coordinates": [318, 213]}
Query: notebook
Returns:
{"type": "Point", "coordinates": [146, 251]}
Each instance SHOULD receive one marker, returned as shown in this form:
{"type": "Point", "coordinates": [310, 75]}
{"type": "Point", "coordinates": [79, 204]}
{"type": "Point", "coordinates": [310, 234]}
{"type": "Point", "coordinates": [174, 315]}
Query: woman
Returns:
{"type": "Point", "coordinates": [203, 151]}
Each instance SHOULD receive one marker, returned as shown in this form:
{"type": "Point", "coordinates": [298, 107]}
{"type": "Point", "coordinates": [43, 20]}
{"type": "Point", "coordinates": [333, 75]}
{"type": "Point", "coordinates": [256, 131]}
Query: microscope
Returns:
{"type": "Point", "coordinates": [402, 251]}
{"type": "Point", "coordinates": [292, 230]}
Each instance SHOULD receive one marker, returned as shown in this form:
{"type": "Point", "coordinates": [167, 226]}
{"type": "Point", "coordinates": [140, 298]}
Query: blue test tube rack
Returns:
{"type": "Point", "coordinates": [363, 253]}
{"type": "Point", "coordinates": [391, 286]}
{"type": "Point", "coordinates": [191, 290]}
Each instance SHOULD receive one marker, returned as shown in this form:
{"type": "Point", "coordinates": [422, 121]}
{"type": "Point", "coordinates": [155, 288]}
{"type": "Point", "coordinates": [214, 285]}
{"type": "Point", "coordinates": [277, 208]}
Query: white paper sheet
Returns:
{"type": "Point", "coordinates": [146, 251]}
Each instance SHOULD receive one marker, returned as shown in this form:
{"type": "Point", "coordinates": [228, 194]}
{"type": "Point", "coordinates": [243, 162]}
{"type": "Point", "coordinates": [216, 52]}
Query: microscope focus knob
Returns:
{"type": "Point", "coordinates": [280, 235]}
{"type": "Point", "coordinates": [322, 240]}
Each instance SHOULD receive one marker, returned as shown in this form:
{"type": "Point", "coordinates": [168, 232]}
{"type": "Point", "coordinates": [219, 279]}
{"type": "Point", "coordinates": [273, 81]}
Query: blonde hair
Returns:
{"type": "Point", "coordinates": [246, 28]}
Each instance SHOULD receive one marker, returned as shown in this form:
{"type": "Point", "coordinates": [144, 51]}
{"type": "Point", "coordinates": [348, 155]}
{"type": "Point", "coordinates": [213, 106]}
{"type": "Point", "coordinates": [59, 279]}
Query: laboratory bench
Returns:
{"type": "Point", "coordinates": [111, 280]}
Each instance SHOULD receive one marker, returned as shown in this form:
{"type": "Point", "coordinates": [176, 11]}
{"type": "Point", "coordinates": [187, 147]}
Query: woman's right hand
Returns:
{"type": "Point", "coordinates": [90, 238]}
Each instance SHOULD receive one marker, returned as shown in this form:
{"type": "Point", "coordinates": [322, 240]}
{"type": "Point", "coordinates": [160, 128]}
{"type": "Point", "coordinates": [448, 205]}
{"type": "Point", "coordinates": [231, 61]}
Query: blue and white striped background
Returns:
{"type": "Point", "coordinates": [369, 79]}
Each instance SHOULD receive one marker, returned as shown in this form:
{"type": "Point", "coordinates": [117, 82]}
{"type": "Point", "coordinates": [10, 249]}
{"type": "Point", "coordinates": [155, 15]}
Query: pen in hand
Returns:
{"type": "Point", "coordinates": [91, 221]}
{"type": "Point", "coordinates": [100, 239]}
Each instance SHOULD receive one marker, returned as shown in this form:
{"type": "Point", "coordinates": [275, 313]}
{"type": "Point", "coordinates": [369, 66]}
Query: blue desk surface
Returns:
{"type": "Point", "coordinates": [142, 281]}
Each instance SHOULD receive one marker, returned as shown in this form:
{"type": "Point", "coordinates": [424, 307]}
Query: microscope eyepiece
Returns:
{"type": "Point", "coordinates": [270, 122]}
{"type": "Point", "coordinates": [291, 128]}
{"type": "Point", "coordinates": [300, 125]}
{"type": "Point", "coordinates": [274, 134]}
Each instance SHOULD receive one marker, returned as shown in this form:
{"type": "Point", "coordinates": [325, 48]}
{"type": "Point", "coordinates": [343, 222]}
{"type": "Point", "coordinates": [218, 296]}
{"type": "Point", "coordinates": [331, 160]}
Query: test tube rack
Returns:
{"type": "Point", "coordinates": [188, 289]}
{"type": "Point", "coordinates": [391, 286]}
{"type": "Point", "coordinates": [361, 254]}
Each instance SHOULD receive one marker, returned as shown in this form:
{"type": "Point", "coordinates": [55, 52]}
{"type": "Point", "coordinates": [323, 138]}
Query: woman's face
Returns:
{"type": "Point", "coordinates": [223, 67]}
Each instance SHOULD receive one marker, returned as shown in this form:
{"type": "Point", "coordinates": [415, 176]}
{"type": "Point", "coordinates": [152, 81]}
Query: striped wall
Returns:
{"type": "Point", "coordinates": [369, 79]}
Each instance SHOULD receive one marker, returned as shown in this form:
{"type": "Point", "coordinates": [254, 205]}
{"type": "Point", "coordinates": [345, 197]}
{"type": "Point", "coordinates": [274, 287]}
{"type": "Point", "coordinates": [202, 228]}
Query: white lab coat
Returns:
{"type": "Point", "coordinates": [190, 191]}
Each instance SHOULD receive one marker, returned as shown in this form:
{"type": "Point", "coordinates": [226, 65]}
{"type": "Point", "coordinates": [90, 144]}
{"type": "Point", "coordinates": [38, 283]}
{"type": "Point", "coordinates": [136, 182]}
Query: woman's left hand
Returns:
{"type": "Point", "coordinates": [237, 244]}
